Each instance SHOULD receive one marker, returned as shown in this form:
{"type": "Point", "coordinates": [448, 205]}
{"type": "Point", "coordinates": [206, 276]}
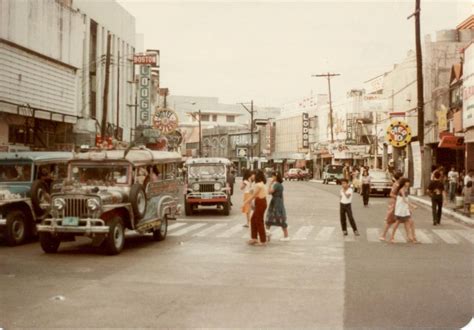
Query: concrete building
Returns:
{"type": "Point", "coordinates": [52, 71]}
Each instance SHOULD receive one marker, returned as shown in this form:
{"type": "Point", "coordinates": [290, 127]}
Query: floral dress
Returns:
{"type": "Point", "coordinates": [276, 213]}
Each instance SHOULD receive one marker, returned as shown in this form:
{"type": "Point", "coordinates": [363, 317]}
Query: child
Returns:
{"type": "Point", "coordinates": [468, 197]}
{"type": "Point", "coordinates": [346, 208]}
{"type": "Point", "coordinates": [403, 211]}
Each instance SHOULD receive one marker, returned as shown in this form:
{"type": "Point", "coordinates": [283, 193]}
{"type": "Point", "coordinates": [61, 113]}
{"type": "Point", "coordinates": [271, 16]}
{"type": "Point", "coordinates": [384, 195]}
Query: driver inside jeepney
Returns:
{"type": "Point", "coordinates": [206, 170]}
{"type": "Point", "coordinates": [100, 175]}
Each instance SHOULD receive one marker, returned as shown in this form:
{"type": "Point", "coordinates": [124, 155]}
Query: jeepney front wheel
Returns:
{"type": "Point", "coordinates": [115, 240]}
{"type": "Point", "coordinates": [188, 209]}
{"type": "Point", "coordinates": [226, 208]}
{"type": "Point", "coordinates": [49, 243]}
{"type": "Point", "coordinates": [160, 233]}
{"type": "Point", "coordinates": [16, 228]}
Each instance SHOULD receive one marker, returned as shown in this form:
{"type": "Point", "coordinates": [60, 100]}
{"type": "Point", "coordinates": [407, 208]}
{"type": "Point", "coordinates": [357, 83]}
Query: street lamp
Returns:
{"type": "Point", "coordinates": [250, 111]}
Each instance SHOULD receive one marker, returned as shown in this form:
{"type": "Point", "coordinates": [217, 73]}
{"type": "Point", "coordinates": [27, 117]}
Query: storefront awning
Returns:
{"type": "Point", "coordinates": [451, 142]}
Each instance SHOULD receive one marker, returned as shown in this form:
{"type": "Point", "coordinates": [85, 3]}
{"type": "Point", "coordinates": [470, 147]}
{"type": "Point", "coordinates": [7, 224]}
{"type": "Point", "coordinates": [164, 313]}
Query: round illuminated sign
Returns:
{"type": "Point", "coordinates": [398, 134]}
{"type": "Point", "coordinates": [165, 120]}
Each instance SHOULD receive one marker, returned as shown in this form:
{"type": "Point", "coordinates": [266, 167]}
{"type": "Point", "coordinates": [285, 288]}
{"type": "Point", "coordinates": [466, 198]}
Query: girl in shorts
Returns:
{"type": "Point", "coordinates": [403, 211]}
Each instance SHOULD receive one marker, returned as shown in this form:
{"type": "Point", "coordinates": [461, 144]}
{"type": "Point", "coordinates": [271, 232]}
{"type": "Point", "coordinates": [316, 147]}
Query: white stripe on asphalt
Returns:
{"type": "Point", "coordinates": [373, 234]}
{"type": "Point", "coordinates": [302, 233]}
{"type": "Point", "coordinates": [445, 236]}
{"type": "Point", "coordinates": [422, 236]}
{"type": "Point", "coordinates": [325, 234]}
{"type": "Point", "coordinates": [210, 230]}
{"type": "Point", "coordinates": [399, 237]}
{"type": "Point", "coordinates": [467, 234]}
{"type": "Point", "coordinates": [231, 231]}
{"type": "Point", "coordinates": [176, 225]}
{"type": "Point", "coordinates": [187, 229]}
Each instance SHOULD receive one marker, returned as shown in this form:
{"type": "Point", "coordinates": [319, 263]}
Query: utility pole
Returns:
{"type": "Point", "coordinates": [118, 96]}
{"type": "Point", "coordinates": [200, 134]}
{"type": "Point", "coordinates": [251, 112]}
{"type": "Point", "coordinates": [106, 88]}
{"type": "Point", "coordinates": [328, 76]}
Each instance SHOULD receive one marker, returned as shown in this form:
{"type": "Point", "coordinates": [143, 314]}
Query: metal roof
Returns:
{"type": "Point", "coordinates": [133, 156]}
{"type": "Point", "coordinates": [36, 155]}
{"type": "Point", "coordinates": [213, 160]}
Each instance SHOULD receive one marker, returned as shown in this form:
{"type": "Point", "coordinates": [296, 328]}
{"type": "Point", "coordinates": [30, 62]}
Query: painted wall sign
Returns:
{"type": "Point", "coordinates": [144, 94]}
{"type": "Point", "coordinates": [145, 59]}
{"type": "Point", "coordinates": [165, 120]}
{"type": "Point", "coordinates": [468, 83]}
{"type": "Point", "coordinates": [398, 134]}
{"type": "Point", "coordinates": [305, 117]}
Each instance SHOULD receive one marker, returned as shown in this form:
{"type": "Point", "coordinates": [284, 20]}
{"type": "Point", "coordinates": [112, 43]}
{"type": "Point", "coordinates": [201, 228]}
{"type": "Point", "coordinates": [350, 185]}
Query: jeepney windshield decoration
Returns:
{"type": "Point", "coordinates": [15, 173]}
{"type": "Point", "coordinates": [206, 170]}
{"type": "Point", "coordinates": [99, 175]}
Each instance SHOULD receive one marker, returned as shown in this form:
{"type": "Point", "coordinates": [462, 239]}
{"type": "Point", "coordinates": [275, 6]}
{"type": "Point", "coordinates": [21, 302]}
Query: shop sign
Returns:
{"type": "Point", "coordinates": [305, 130]}
{"type": "Point", "coordinates": [468, 83]}
{"type": "Point", "coordinates": [165, 120]}
{"type": "Point", "coordinates": [242, 152]}
{"type": "Point", "coordinates": [450, 141]}
{"type": "Point", "coordinates": [145, 59]}
{"type": "Point", "coordinates": [442, 115]}
{"type": "Point", "coordinates": [144, 94]}
{"type": "Point", "coordinates": [398, 134]}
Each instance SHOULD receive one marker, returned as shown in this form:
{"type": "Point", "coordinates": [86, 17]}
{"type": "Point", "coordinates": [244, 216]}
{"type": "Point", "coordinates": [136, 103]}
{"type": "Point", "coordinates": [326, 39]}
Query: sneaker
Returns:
{"type": "Point", "coordinates": [344, 232]}
{"type": "Point", "coordinates": [285, 239]}
{"type": "Point", "coordinates": [356, 233]}
{"type": "Point", "coordinates": [246, 226]}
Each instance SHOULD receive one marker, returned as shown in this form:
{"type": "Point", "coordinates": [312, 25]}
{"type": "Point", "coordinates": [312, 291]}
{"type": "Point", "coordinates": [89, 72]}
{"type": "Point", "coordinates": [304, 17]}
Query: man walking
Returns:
{"type": "Point", "coordinates": [231, 182]}
{"type": "Point", "coordinates": [437, 193]}
{"type": "Point", "coordinates": [346, 208]}
{"type": "Point", "coordinates": [453, 177]}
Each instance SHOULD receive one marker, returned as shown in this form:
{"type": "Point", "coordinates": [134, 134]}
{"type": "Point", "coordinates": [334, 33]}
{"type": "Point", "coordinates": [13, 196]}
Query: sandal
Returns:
{"type": "Point", "coordinates": [252, 242]}
{"type": "Point", "coordinates": [381, 238]}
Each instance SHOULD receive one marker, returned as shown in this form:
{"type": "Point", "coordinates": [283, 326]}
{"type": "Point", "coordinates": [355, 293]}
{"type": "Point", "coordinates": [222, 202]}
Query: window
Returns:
{"type": "Point", "coordinates": [204, 117]}
{"type": "Point", "coordinates": [214, 117]}
{"type": "Point", "coordinates": [230, 119]}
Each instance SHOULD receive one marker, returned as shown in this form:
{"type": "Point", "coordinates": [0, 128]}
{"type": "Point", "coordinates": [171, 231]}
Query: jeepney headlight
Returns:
{"type": "Point", "coordinates": [92, 204]}
{"type": "Point", "coordinates": [217, 186]}
{"type": "Point", "coordinates": [196, 186]}
{"type": "Point", "coordinates": [59, 203]}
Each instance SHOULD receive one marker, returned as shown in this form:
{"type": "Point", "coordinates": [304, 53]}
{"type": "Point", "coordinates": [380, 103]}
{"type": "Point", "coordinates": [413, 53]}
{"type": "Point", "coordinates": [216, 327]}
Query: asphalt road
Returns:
{"type": "Point", "coordinates": [205, 275]}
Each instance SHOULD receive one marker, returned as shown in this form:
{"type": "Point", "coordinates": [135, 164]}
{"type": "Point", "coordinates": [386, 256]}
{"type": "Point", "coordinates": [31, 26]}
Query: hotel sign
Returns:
{"type": "Point", "coordinates": [144, 94]}
{"type": "Point", "coordinates": [305, 130]}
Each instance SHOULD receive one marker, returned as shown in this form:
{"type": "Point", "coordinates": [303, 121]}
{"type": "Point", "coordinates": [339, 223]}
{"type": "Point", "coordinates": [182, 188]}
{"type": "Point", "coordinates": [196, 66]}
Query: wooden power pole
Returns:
{"type": "Point", "coordinates": [118, 96]}
{"type": "Point", "coordinates": [328, 76]}
{"type": "Point", "coordinates": [106, 88]}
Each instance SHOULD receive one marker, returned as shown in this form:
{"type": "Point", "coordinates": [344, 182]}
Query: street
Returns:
{"type": "Point", "coordinates": [205, 275]}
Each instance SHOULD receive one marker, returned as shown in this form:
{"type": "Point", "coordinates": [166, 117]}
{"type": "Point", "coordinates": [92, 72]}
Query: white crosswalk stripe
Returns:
{"type": "Point", "coordinates": [446, 236]}
{"type": "Point", "coordinates": [467, 234]}
{"type": "Point", "coordinates": [210, 230]}
{"type": "Point", "coordinates": [176, 225]}
{"type": "Point", "coordinates": [302, 233]}
{"type": "Point", "coordinates": [187, 229]}
{"type": "Point", "coordinates": [422, 236]}
{"type": "Point", "coordinates": [231, 231]}
{"type": "Point", "coordinates": [325, 234]}
{"type": "Point", "coordinates": [373, 234]}
{"type": "Point", "coordinates": [399, 237]}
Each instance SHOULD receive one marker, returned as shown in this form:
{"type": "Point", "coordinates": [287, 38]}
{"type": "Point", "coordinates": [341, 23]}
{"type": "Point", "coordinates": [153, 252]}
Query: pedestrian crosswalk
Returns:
{"type": "Point", "coordinates": [315, 233]}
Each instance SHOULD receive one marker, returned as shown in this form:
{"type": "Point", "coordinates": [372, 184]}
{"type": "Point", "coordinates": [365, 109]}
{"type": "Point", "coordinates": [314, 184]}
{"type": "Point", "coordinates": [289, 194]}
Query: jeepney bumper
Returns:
{"type": "Point", "coordinates": [3, 222]}
{"type": "Point", "coordinates": [207, 198]}
{"type": "Point", "coordinates": [86, 227]}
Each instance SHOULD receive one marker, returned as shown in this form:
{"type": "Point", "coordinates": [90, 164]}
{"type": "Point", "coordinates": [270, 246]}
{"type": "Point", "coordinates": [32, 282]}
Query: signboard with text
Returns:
{"type": "Point", "coordinates": [398, 134]}
{"type": "Point", "coordinates": [305, 130]}
{"type": "Point", "coordinates": [144, 94]}
{"type": "Point", "coordinates": [145, 59]}
{"type": "Point", "coordinates": [468, 83]}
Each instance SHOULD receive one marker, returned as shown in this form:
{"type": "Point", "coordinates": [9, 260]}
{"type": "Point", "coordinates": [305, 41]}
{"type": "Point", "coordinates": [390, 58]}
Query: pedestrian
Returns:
{"type": "Point", "coordinates": [259, 195]}
{"type": "Point", "coordinates": [346, 208]}
{"type": "Point", "coordinates": [390, 217]}
{"type": "Point", "coordinates": [403, 211]}
{"type": "Point", "coordinates": [276, 213]}
{"type": "Point", "coordinates": [453, 177]}
{"type": "Point", "coordinates": [468, 194]}
{"type": "Point", "coordinates": [438, 197]}
{"type": "Point", "coordinates": [469, 177]}
{"type": "Point", "coordinates": [246, 186]}
{"type": "Point", "coordinates": [346, 172]}
{"type": "Point", "coordinates": [231, 182]}
{"type": "Point", "coordinates": [365, 181]}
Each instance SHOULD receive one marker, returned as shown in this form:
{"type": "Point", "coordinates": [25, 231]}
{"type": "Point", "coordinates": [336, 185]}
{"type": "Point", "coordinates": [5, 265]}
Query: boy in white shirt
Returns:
{"type": "Point", "coordinates": [346, 208]}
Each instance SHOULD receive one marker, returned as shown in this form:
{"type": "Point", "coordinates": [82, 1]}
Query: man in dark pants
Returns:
{"type": "Point", "coordinates": [346, 208]}
{"type": "Point", "coordinates": [438, 195]}
{"type": "Point", "coordinates": [231, 182]}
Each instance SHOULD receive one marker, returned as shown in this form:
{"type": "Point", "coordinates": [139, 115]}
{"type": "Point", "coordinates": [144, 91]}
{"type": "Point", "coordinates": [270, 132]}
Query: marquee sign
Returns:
{"type": "Point", "coordinates": [144, 94]}
{"type": "Point", "coordinates": [398, 134]}
{"type": "Point", "coordinates": [165, 120]}
{"type": "Point", "coordinates": [305, 130]}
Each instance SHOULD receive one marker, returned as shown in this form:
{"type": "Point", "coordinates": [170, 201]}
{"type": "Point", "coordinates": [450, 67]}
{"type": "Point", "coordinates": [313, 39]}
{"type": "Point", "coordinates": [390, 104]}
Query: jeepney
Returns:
{"type": "Point", "coordinates": [206, 184]}
{"type": "Point", "coordinates": [109, 191]}
{"type": "Point", "coordinates": [26, 180]}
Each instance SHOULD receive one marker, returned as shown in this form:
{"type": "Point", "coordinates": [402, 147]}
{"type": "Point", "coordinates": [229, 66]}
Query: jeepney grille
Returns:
{"type": "Point", "coordinates": [206, 187]}
{"type": "Point", "coordinates": [75, 207]}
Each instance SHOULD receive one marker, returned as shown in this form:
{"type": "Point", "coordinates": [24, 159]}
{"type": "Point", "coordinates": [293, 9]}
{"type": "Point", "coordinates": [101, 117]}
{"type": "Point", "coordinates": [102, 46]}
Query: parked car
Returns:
{"type": "Point", "coordinates": [297, 174]}
{"type": "Point", "coordinates": [381, 182]}
{"type": "Point", "coordinates": [206, 184]}
{"type": "Point", "coordinates": [108, 191]}
{"type": "Point", "coordinates": [26, 181]}
{"type": "Point", "coordinates": [333, 173]}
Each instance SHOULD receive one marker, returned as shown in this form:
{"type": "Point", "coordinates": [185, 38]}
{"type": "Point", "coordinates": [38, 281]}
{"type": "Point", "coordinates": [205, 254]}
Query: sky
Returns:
{"type": "Point", "coordinates": [268, 50]}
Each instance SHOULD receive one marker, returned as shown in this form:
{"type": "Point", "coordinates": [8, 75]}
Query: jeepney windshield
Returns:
{"type": "Point", "coordinates": [206, 170]}
{"type": "Point", "coordinates": [15, 172]}
{"type": "Point", "coordinates": [98, 174]}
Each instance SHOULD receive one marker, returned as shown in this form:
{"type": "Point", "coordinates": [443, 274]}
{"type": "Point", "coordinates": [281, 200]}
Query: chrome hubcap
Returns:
{"type": "Point", "coordinates": [141, 203]}
{"type": "Point", "coordinates": [118, 236]}
{"type": "Point", "coordinates": [18, 229]}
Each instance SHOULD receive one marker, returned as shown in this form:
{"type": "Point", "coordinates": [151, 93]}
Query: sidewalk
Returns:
{"type": "Point", "coordinates": [447, 210]}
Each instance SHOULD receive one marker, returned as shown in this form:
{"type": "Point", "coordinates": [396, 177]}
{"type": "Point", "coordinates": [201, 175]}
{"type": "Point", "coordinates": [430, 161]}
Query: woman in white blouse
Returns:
{"type": "Point", "coordinates": [247, 187]}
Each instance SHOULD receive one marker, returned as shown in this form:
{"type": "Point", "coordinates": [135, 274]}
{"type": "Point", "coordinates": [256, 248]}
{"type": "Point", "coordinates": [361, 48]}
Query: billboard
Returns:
{"type": "Point", "coordinates": [305, 130]}
{"type": "Point", "coordinates": [468, 83]}
{"type": "Point", "coordinates": [144, 94]}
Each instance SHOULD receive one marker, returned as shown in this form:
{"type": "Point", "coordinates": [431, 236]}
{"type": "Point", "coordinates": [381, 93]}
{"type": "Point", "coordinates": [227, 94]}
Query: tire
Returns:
{"type": "Point", "coordinates": [49, 243]}
{"type": "Point", "coordinates": [160, 234]}
{"type": "Point", "coordinates": [39, 190]}
{"type": "Point", "coordinates": [16, 229]}
{"type": "Point", "coordinates": [188, 209]}
{"type": "Point", "coordinates": [138, 201]}
{"type": "Point", "coordinates": [226, 208]}
{"type": "Point", "coordinates": [115, 240]}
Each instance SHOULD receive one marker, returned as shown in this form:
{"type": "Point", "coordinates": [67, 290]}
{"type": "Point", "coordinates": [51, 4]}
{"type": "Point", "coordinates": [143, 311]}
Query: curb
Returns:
{"type": "Point", "coordinates": [456, 216]}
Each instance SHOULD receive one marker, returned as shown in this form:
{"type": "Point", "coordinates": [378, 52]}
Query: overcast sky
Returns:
{"type": "Point", "coordinates": [267, 50]}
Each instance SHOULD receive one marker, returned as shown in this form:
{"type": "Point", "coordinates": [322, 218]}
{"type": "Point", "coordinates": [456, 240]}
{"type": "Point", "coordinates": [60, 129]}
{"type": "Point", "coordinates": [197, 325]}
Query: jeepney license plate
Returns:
{"type": "Point", "coordinates": [71, 221]}
{"type": "Point", "coordinates": [206, 196]}
{"type": "Point", "coordinates": [379, 189]}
